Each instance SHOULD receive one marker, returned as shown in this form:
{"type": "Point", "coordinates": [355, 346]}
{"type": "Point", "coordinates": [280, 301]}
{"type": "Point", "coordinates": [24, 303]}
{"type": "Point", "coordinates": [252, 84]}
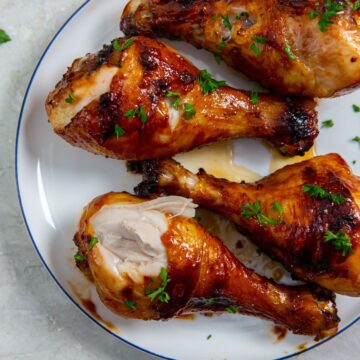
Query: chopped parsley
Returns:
{"type": "Point", "coordinates": [288, 51]}
{"type": "Point", "coordinates": [4, 37]}
{"type": "Point", "coordinates": [254, 210]}
{"type": "Point", "coordinates": [119, 131]}
{"type": "Point", "coordinates": [221, 45]}
{"type": "Point", "coordinates": [132, 305]}
{"type": "Point", "coordinates": [260, 39]}
{"type": "Point", "coordinates": [207, 83]}
{"type": "Point", "coordinates": [231, 309]}
{"type": "Point", "coordinates": [218, 58]}
{"type": "Point", "coordinates": [356, 6]}
{"type": "Point", "coordinates": [327, 123]}
{"type": "Point", "coordinates": [210, 301]}
{"type": "Point", "coordinates": [226, 22]}
{"type": "Point", "coordinates": [340, 241]}
{"type": "Point", "coordinates": [139, 112]}
{"type": "Point", "coordinates": [189, 111]}
{"type": "Point", "coordinates": [243, 14]}
{"type": "Point", "coordinates": [328, 11]}
{"type": "Point", "coordinates": [254, 96]}
{"type": "Point", "coordinates": [215, 17]}
{"type": "Point", "coordinates": [353, 162]}
{"type": "Point", "coordinates": [209, 337]}
{"type": "Point", "coordinates": [94, 240]}
{"type": "Point", "coordinates": [318, 192]}
{"type": "Point", "coordinates": [176, 103]}
{"type": "Point", "coordinates": [70, 99]}
{"type": "Point", "coordinates": [79, 257]}
{"type": "Point", "coordinates": [124, 46]}
{"type": "Point", "coordinates": [356, 138]}
{"type": "Point", "coordinates": [255, 49]}
{"type": "Point", "coordinates": [160, 293]}
{"type": "Point", "coordinates": [356, 108]}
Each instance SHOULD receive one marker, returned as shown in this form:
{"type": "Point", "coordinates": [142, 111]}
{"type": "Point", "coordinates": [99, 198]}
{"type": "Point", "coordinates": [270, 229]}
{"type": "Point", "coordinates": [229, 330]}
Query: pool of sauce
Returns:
{"type": "Point", "coordinates": [302, 346]}
{"type": "Point", "coordinates": [280, 333]}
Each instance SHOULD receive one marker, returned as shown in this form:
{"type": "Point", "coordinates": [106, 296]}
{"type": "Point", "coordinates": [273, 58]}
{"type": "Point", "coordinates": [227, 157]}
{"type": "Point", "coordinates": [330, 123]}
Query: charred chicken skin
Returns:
{"type": "Point", "coordinates": [152, 260]}
{"type": "Point", "coordinates": [306, 215]}
{"type": "Point", "coordinates": [303, 48]}
{"type": "Point", "coordinates": [140, 99]}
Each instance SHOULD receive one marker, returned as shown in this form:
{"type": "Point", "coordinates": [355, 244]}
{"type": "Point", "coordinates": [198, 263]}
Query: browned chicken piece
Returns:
{"type": "Point", "coordinates": [306, 215]}
{"type": "Point", "coordinates": [152, 260]}
{"type": "Point", "coordinates": [147, 101]}
{"type": "Point", "coordinates": [274, 42]}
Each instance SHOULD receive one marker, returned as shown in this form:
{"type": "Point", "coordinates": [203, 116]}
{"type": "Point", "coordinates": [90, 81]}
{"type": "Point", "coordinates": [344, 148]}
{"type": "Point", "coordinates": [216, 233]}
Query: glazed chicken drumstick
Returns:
{"type": "Point", "coordinates": [306, 215]}
{"type": "Point", "coordinates": [167, 264]}
{"type": "Point", "coordinates": [303, 48]}
{"type": "Point", "coordinates": [140, 99]}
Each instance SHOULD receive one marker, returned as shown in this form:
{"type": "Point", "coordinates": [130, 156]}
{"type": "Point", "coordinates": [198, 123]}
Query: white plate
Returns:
{"type": "Point", "coordinates": [56, 180]}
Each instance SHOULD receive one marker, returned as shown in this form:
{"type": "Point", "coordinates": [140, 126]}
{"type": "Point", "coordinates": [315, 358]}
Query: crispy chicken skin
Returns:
{"type": "Point", "coordinates": [316, 63]}
{"type": "Point", "coordinates": [298, 242]}
{"type": "Point", "coordinates": [204, 276]}
{"type": "Point", "coordinates": [87, 108]}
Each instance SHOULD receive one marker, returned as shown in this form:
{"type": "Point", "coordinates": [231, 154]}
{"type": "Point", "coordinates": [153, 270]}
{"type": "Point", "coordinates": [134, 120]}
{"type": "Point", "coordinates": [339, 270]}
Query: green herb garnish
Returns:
{"type": "Point", "coordinates": [288, 51]}
{"type": "Point", "coordinates": [356, 6]}
{"type": "Point", "coordinates": [130, 304]}
{"type": "Point", "coordinates": [226, 22]}
{"type": "Point", "coordinates": [255, 49]}
{"type": "Point", "coordinates": [318, 192]}
{"type": "Point", "coordinates": [331, 10]}
{"type": "Point", "coordinates": [340, 240]}
{"type": "Point", "coordinates": [70, 99]}
{"type": "Point", "coordinates": [160, 293]}
{"type": "Point", "coordinates": [79, 257]}
{"type": "Point", "coordinates": [356, 108]}
{"type": "Point", "coordinates": [4, 37]}
{"type": "Point", "coordinates": [356, 138]}
{"type": "Point", "coordinates": [221, 45]}
{"type": "Point", "coordinates": [260, 39]}
{"type": "Point", "coordinates": [139, 112]}
{"type": "Point", "coordinates": [176, 103]}
{"type": "Point", "coordinates": [124, 46]}
{"type": "Point", "coordinates": [209, 337]}
{"type": "Point", "coordinates": [208, 84]}
{"type": "Point", "coordinates": [313, 14]}
{"type": "Point", "coordinates": [94, 240]}
{"type": "Point", "coordinates": [119, 131]}
{"type": "Point", "coordinates": [254, 96]}
{"type": "Point", "coordinates": [353, 162]}
{"type": "Point", "coordinates": [327, 123]}
{"type": "Point", "coordinates": [254, 210]}
{"type": "Point", "coordinates": [189, 111]}
{"type": "Point", "coordinates": [231, 309]}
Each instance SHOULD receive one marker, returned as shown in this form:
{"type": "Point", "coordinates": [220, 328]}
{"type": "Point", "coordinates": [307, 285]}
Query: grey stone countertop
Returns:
{"type": "Point", "coordinates": [37, 321]}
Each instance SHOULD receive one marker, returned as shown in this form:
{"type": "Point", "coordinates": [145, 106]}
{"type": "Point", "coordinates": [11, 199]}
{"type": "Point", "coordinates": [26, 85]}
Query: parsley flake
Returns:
{"type": "Point", "coordinates": [70, 99]}
{"type": "Point", "coordinates": [288, 51]}
{"type": "Point", "coordinates": [356, 138]}
{"type": "Point", "coordinates": [207, 83]}
{"type": "Point", "coordinates": [79, 257]}
{"type": "Point", "coordinates": [313, 14]}
{"type": "Point", "coordinates": [93, 242]}
{"type": "Point", "coordinates": [254, 96]}
{"type": "Point", "coordinates": [260, 39]}
{"type": "Point", "coordinates": [218, 58]}
{"type": "Point", "coordinates": [243, 14]}
{"type": "Point", "coordinates": [318, 192]}
{"type": "Point", "coordinates": [221, 45]}
{"type": "Point", "coordinates": [4, 37]}
{"type": "Point", "coordinates": [139, 112]}
{"type": "Point", "coordinates": [176, 103]}
{"type": "Point", "coordinates": [340, 241]}
{"type": "Point", "coordinates": [231, 309]}
{"type": "Point", "coordinates": [119, 131]}
{"type": "Point", "coordinates": [353, 162]}
{"type": "Point", "coordinates": [209, 337]}
{"type": "Point", "coordinates": [226, 22]}
{"type": "Point", "coordinates": [254, 210]}
{"type": "Point", "coordinates": [331, 9]}
{"type": "Point", "coordinates": [327, 124]}
{"type": "Point", "coordinates": [356, 108]}
{"type": "Point", "coordinates": [255, 49]}
{"type": "Point", "coordinates": [189, 111]}
{"type": "Point", "coordinates": [124, 46]}
{"type": "Point", "coordinates": [160, 293]}
{"type": "Point", "coordinates": [132, 305]}
{"type": "Point", "coordinates": [356, 6]}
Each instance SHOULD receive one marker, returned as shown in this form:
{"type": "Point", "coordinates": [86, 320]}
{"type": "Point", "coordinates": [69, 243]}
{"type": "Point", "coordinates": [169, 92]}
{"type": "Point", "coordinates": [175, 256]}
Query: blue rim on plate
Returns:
{"type": "Point", "coordinates": [37, 250]}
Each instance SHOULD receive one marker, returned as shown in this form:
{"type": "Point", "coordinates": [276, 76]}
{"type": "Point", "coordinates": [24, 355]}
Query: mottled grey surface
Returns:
{"type": "Point", "coordinates": [36, 320]}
